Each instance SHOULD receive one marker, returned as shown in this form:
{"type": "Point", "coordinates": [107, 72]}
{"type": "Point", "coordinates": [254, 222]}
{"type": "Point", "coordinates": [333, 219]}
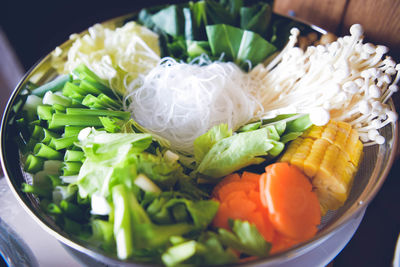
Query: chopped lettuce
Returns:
{"type": "Point", "coordinates": [216, 248]}
{"type": "Point", "coordinates": [137, 230]}
{"type": "Point", "coordinates": [245, 238]}
{"type": "Point", "coordinates": [238, 151]}
{"type": "Point", "coordinates": [205, 142]}
{"type": "Point", "coordinates": [137, 53]}
{"type": "Point", "coordinates": [167, 209]}
{"type": "Point", "coordinates": [219, 153]}
{"type": "Point", "coordinates": [142, 221]}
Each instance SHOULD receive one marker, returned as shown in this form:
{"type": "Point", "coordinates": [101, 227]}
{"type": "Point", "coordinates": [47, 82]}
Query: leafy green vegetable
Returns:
{"type": "Point", "coordinates": [107, 160]}
{"type": "Point", "coordinates": [250, 127]}
{"type": "Point", "coordinates": [245, 238]}
{"type": "Point", "coordinates": [103, 234]}
{"type": "Point", "coordinates": [298, 125]}
{"type": "Point", "coordinates": [218, 14]}
{"type": "Point", "coordinates": [205, 142]}
{"type": "Point", "coordinates": [256, 18]}
{"type": "Point", "coordinates": [168, 209]}
{"type": "Point", "coordinates": [197, 48]}
{"type": "Point", "coordinates": [227, 27]}
{"type": "Point", "coordinates": [170, 19]}
{"type": "Point", "coordinates": [238, 45]}
{"type": "Point", "coordinates": [218, 153]}
{"type": "Point", "coordinates": [179, 253]}
{"type": "Point", "coordinates": [163, 172]}
{"type": "Point", "coordinates": [237, 151]}
{"type": "Point", "coordinates": [206, 250]}
{"type": "Point", "coordinates": [217, 248]}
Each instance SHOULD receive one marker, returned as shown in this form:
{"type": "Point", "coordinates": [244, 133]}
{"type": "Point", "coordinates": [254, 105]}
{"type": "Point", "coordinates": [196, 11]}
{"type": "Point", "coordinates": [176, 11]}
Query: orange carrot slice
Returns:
{"type": "Point", "coordinates": [251, 177]}
{"type": "Point", "coordinates": [282, 243]}
{"type": "Point", "coordinates": [236, 186]}
{"type": "Point", "coordinates": [239, 198]}
{"type": "Point", "coordinates": [227, 179]}
{"type": "Point", "coordinates": [293, 208]}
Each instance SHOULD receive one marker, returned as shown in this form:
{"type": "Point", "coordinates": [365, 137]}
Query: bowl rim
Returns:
{"type": "Point", "coordinates": [357, 207]}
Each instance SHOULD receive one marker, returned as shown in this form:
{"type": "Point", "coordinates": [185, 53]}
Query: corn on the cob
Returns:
{"type": "Point", "coordinates": [329, 155]}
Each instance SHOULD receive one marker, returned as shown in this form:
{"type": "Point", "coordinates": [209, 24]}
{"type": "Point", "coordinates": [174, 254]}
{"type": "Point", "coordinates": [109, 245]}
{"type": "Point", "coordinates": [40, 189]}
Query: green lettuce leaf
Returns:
{"type": "Point", "coordinates": [238, 151]}
{"type": "Point", "coordinates": [204, 142]}
{"type": "Point", "coordinates": [167, 209]}
{"type": "Point", "coordinates": [207, 250]}
{"type": "Point", "coordinates": [245, 238]}
{"type": "Point", "coordinates": [161, 171]}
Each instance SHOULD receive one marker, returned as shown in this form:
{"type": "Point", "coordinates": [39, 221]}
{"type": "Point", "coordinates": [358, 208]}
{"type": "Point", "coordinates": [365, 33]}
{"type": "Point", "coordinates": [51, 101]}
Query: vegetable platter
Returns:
{"type": "Point", "coordinates": [203, 133]}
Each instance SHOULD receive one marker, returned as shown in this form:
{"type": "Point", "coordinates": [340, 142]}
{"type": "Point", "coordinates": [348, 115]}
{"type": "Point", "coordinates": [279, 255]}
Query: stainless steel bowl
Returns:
{"type": "Point", "coordinates": [373, 170]}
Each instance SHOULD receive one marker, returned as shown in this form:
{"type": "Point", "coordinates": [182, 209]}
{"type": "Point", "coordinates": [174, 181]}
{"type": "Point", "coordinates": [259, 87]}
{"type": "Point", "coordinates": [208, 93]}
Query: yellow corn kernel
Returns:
{"type": "Point", "coordinates": [302, 151]}
{"type": "Point", "coordinates": [314, 159]}
{"type": "Point", "coordinates": [291, 149]}
{"type": "Point", "coordinates": [314, 132]}
{"type": "Point", "coordinates": [329, 155]}
{"type": "Point", "coordinates": [335, 173]}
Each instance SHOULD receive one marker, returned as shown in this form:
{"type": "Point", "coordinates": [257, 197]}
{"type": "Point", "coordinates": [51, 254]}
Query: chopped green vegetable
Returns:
{"type": "Point", "coordinates": [205, 142]}
{"type": "Point", "coordinates": [236, 152]}
{"type": "Point", "coordinates": [234, 44]}
{"type": "Point", "coordinates": [55, 85]}
{"type": "Point", "coordinates": [245, 238]}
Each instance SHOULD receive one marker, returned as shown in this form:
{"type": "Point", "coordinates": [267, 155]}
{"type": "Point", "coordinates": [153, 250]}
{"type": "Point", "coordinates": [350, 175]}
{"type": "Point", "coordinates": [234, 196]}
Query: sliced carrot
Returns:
{"type": "Point", "coordinates": [263, 180]}
{"type": "Point", "coordinates": [222, 216]}
{"type": "Point", "coordinates": [240, 199]}
{"type": "Point", "coordinates": [227, 179]}
{"type": "Point", "coordinates": [293, 208]}
{"type": "Point", "coordinates": [250, 176]}
{"type": "Point", "coordinates": [241, 206]}
{"type": "Point", "coordinates": [281, 243]}
{"type": "Point", "coordinates": [236, 186]}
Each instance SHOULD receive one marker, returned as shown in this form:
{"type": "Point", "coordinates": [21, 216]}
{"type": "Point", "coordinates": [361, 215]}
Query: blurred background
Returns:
{"type": "Point", "coordinates": [31, 29]}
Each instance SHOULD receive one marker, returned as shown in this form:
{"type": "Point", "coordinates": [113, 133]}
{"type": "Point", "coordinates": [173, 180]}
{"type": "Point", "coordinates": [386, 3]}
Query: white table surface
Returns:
{"type": "Point", "coordinates": [45, 248]}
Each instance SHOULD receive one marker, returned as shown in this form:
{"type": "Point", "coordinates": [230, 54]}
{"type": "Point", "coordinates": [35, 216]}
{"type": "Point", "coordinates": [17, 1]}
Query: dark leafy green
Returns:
{"type": "Point", "coordinates": [256, 18]}
{"type": "Point", "coordinates": [174, 24]}
{"type": "Point", "coordinates": [231, 30]}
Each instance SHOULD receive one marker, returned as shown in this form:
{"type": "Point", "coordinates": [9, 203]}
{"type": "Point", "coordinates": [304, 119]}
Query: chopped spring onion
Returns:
{"type": "Point", "coordinates": [60, 120]}
{"type": "Point", "coordinates": [44, 151]}
{"type": "Point", "coordinates": [45, 112]}
{"type": "Point", "coordinates": [71, 168]}
{"type": "Point", "coordinates": [65, 142]}
{"type": "Point", "coordinates": [99, 112]}
{"type": "Point", "coordinates": [51, 98]}
{"type": "Point", "coordinates": [49, 136]}
{"type": "Point", "coordinates": [55, 85]}
{"type": "Point", "coordinates": [73, 155]}
{"type": "Point", "coordinates": [72, 130]}
{"type": "Point", "coordinates": [33, 164]}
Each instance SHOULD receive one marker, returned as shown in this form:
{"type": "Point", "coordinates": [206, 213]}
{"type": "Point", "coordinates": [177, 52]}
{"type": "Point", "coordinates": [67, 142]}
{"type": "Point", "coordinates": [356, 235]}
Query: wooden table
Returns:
{"type": "Point", "coordinates": [380, 19]}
